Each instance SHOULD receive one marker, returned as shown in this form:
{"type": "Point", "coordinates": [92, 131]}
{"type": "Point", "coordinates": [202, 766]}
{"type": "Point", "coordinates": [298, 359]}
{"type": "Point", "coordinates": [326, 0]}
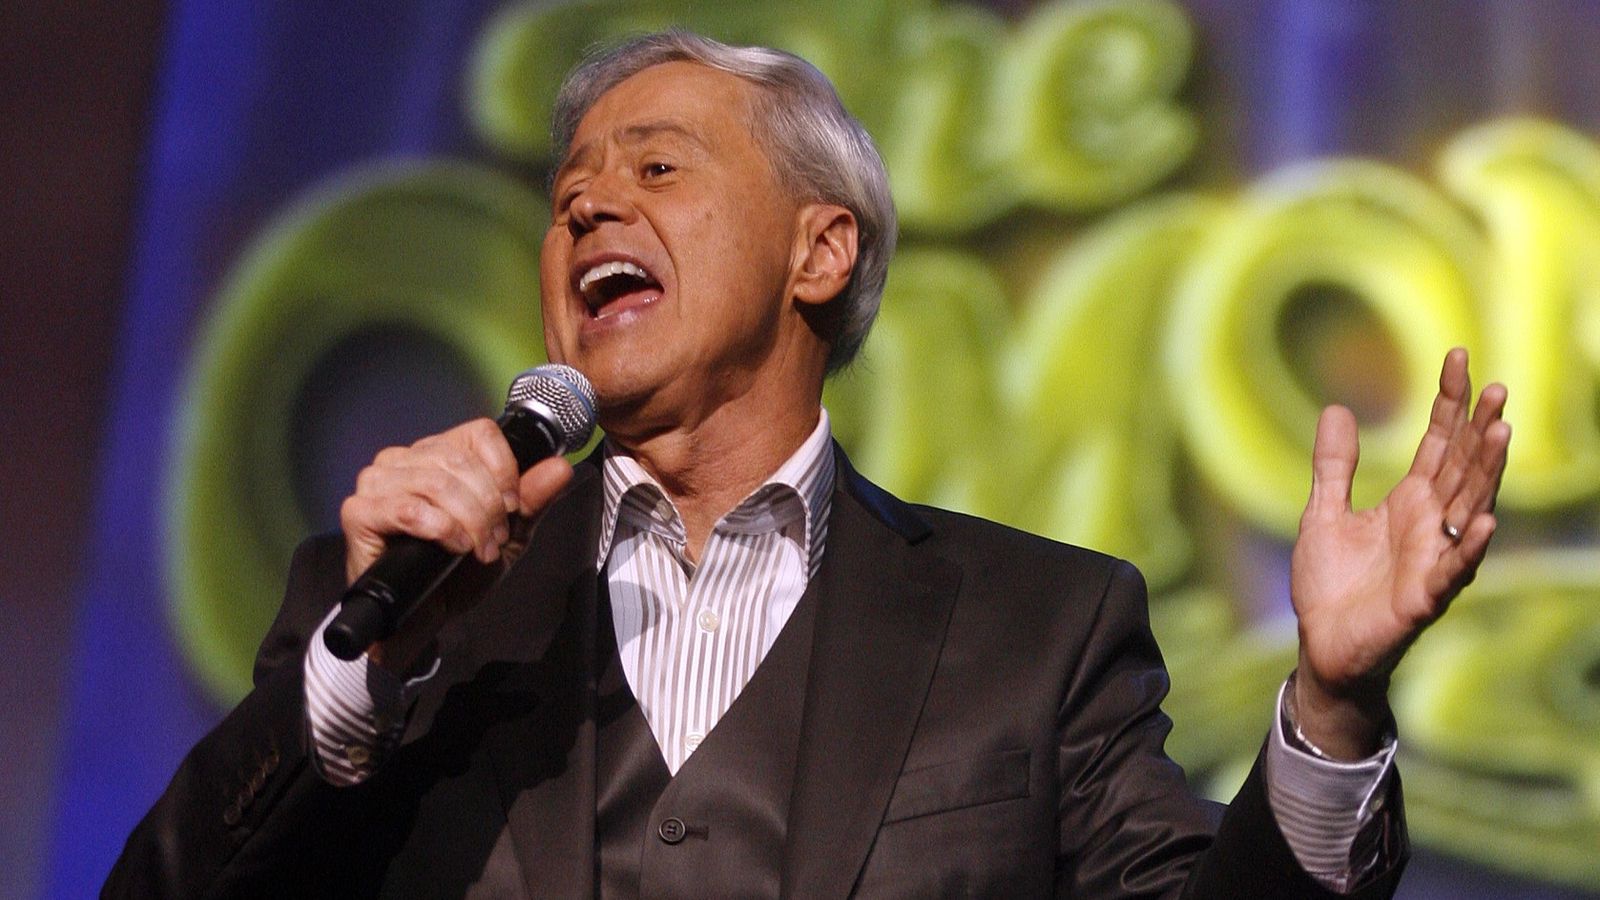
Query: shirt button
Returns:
{"type": "Point", "coordinates": [693, 740]}
{"type": "Point", "coordinates": [672, 830]}
{"type": "Point", "coordinates": [664, 509]}
{"type": "Point", "coordinates": [708, 620]}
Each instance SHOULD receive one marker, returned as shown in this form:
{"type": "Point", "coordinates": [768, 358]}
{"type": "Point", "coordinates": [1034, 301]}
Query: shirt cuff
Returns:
{"type": "Point", "coordinates": [355, 710]}
{"type": "Point", "coordinates": [1326, 809]}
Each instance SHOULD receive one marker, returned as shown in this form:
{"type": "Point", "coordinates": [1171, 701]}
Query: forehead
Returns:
{"type": "Point", "coordinates": [686, 96]}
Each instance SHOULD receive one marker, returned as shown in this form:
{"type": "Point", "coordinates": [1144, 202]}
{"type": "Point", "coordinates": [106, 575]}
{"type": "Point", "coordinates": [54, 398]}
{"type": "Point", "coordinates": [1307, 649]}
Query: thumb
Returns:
{"type": "Point", "coordinates": [541, 483]}
{"type": "Point", "coordinates": [1333, 462]}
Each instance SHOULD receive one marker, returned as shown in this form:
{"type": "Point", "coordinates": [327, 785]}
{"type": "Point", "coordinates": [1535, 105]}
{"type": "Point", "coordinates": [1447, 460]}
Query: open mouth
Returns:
{"type": "Point", "coordinates": [616, 286]}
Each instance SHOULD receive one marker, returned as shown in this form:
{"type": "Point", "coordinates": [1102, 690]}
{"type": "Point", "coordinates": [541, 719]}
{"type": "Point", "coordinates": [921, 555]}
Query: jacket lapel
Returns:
{"type": "Point", "coordinates": [881, 621]}
{"type": "Point", "coordinates": [542, 631]}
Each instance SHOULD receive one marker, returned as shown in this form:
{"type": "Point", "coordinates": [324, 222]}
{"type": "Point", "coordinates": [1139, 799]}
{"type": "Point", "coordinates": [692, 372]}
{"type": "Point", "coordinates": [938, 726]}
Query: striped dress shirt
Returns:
{"type": "Point", "coordinates": [1328, 810]}
{"type": "Point", "coordinates": [691, 633]}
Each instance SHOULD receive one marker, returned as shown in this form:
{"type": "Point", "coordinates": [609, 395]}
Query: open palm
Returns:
{"type": "Point", "coordinates": [1365, 584]}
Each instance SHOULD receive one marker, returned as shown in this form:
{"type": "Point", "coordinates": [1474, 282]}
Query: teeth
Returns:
{"type": "Point", "coordinates": [608, 269]}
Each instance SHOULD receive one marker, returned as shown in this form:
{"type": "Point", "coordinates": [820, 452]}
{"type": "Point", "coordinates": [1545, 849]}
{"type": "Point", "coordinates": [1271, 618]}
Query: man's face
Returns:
{"type": "Point", "coordinates": [667, 264]}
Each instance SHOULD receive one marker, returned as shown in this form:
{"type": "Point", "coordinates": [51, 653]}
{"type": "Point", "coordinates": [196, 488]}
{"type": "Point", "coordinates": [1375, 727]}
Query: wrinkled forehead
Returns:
{"type": "Point", "coordinates": [679, 97]}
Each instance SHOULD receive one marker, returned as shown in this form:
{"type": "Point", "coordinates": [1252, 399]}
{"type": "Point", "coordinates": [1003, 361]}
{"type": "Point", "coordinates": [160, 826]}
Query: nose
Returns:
{"type": "Point", "coordinates": [601, 201]}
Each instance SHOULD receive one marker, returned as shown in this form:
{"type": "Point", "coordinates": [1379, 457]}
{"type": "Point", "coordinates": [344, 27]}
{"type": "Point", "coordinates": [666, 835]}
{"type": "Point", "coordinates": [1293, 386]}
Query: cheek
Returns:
{"type": "Point", "coordinates": [747, 250]}
{"type": "Point", "coordinates": [552, 274]}
{"type": "Point", "coordinates": [552, 253]}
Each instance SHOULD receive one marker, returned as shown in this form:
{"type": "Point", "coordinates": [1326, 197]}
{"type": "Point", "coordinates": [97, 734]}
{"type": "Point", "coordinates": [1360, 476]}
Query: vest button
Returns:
{"type": "Point", "coordinates": [672, 830]}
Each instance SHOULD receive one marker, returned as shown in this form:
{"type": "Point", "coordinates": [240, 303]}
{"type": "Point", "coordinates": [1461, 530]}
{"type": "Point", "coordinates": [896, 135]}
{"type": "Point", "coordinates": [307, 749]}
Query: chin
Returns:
{"type": "Point", "coordinates": [619, 383]}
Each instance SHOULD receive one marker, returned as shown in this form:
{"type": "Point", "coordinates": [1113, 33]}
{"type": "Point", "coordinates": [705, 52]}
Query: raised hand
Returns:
{"type": "Point", "coordinates": [459, 489]}
{"type": "Point", "coordinates": [1365, 584]}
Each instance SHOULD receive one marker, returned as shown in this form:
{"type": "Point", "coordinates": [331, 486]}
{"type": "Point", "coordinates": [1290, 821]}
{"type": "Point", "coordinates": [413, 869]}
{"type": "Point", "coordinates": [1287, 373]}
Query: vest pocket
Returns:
{"type": "Point", "coordinates": [958, 784]}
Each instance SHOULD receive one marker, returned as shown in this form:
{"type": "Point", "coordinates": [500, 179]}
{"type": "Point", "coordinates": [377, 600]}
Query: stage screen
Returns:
{"type": "Point", "coordinates": [1142, 243]}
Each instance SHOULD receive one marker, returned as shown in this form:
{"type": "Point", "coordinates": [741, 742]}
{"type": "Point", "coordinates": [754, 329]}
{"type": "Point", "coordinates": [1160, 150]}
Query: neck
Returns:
{"type": "Point", "coordinates": [709, 468]}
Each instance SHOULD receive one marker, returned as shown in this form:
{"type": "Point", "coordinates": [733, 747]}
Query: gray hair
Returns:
{"type": "Point", "coordinates": [817, 149]}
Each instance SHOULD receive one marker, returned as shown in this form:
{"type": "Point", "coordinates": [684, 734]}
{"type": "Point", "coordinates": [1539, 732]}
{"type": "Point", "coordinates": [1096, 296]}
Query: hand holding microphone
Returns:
{"type": "Point", "coordinates": [418, 511]}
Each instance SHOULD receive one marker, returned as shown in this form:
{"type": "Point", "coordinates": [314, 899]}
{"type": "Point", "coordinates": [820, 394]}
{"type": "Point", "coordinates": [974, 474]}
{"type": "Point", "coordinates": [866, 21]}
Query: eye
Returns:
{"type": "Point", "coordinates": [658, 169]}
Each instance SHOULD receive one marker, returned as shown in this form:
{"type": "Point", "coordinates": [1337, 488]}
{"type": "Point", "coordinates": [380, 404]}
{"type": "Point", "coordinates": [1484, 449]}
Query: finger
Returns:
{"type": "Point", "coordinates": [1463, 448]}
{"type": "Point", "coordinates": [1491, 407]}
{"type": "Point", "coordinates": [488, 498]}
{"type": "Point", "coordinates": [1481, 486]}
{"type": "Point", "coordinates": [1503, 438]}
{"type": "Point", "coordinates": [362, 541]}
{"type": "Point", "coordinates": [475, 509]}
{"type": "Point", "coordinates": [469, 496]}
{"type": "Point", "coordinates": [374, 511]}
{"type": "Point", "coordinates": [1333, 462]}
{"type": "Point", "coordinates": [1458, 565]}
{"type": "Point", "coordinates": [541, 483]}
{"type": "Point", "coordinates": [1469, 481]}
{"type": "Point", "coordinates": [369, 520]}
{"type": "Point", "coordinates": [1448, 415]}
{"type": "Point", "coordinates": [477, 453]}
{"type": "Point", "coordinates": [1461, 452]}
{"type": "Point", "coordinates": [489, 443]}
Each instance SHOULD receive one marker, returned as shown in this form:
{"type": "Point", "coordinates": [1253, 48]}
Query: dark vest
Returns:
{"type": "Point", "coordinates": [717, 829]}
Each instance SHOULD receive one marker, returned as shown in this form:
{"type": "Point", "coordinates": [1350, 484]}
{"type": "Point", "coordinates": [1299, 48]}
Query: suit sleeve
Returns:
{"type": "Point", "coordinates": [1129, 824]}
{"type": "Point", "coordinates": [252, 768]}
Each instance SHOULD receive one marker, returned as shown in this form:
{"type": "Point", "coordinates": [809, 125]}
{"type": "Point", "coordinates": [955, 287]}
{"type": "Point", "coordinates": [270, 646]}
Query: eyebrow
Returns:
{"type": "Point", "coordinates": [634, 134]}
{"type": "Point", "coordinates": [643, 131]}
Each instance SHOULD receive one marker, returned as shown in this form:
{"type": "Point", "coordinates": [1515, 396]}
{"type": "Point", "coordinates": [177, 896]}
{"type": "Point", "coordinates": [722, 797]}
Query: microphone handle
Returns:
{"type": "Point", "coordinates": [410, 568]}
{"type": "Point", "coordinates": [532, 437]}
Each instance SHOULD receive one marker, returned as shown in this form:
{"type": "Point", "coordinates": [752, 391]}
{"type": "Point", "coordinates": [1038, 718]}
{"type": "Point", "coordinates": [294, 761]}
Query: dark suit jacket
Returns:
{"type": "Point", "coordinates": [981, 719]}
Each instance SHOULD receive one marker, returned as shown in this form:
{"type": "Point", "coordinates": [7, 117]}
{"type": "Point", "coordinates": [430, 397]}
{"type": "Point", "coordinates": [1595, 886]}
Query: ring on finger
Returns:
{"type": "Point", "coordinates": [1450, 531]}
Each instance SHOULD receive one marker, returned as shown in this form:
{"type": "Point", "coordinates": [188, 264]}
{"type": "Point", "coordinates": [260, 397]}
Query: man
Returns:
{"type": "Point", "coordinates": [714, 661]}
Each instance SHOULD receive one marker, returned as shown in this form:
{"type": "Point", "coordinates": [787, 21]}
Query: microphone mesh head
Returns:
{"type": "Point", "coordinates": [561, 395]}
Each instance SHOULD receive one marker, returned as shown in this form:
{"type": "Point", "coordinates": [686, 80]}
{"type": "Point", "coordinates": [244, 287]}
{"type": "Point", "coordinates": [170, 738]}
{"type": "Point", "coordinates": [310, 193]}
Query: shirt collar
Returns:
{"type": "Point", "coordinates": [802, 487]}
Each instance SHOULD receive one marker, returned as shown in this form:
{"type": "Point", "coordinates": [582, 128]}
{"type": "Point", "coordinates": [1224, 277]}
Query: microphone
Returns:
{"type": "Point", "coordinates": [549, 411]}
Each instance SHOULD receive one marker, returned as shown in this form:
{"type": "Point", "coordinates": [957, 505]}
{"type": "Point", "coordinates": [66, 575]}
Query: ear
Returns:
{"type": "Point", "coordinates": [825, 252]}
